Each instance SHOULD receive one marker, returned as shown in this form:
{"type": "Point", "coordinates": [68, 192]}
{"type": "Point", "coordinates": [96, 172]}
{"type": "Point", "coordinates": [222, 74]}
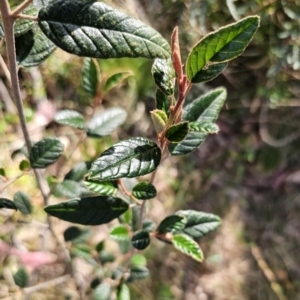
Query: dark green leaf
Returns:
{"type": "Point", "coordinates": [177, 132]}
{"type": "Point", "coordinates": [188, 246]}
{"type": "Point", "coordinates": [89, 211]}
{"type": "Point", "coordinates": [148, 225]}
{"type": "Point", "coordinates": [164, 75]}
{"type": "Point", "coordinates": [114, 80]}
{"type": "Point", "coordinates": [106, 122]}
{"type": "Point", "coordinates": [135, 217]}
{"type": "Point", "coordinates": [90, 77]}
{"type": "Point", "coordinates": [67, 188]}
{"type": "Point", "coordinates": [94, 29]}
{"type": "Point", "coordinates": [106, 257]}
{"type": "Point", "coordinates": [107, 188]}
{"type": "Point", "coordinates": [21, 26]}
{"type": "Point", "coordinates": [123, 292]}
{"type": "Point", "coordinates": [76, 234]}
{"type": "Point", "coordinates": [45, 152]}
{"type": "Point", "coordinates": [24, 165]}
{"type": "Point", "coordinates": [209, 73]}
{"type": "Point", "coordinates": [32, 48]}
{"type": "Point", "coordinates": [199, 223]}
{"type": "Point", "coordinates": [102, 292]}
{"type": "Point", "coordinates": [119, 233]}
{"type": "Point", "coordinates": [144, 191]}
{"type": "Point", "coordinates": [162, 102]}
{"type": "Point", "coordinates": [140, 239]}
{"type": "Point", "coordinates": [71, 118]}
{"type": "Point", "coordinates": [129, 158]}
{"type": "Point", "coordinates": [78, 172]}
{"type": "Point", "coordinates": [221, 46]}
{"type": "Point", "coordinates": [22, 201]}
{"type": "Point", "coordinates": [21, 278]}
{"type": "Point", "coordinates": [138, 273]}
{"type": "Point", "coordinates": [172, 224]}
{"type": "Point", "coordinates": [2, 172]}
{"type": "Point", "coordinates": [6, 203]}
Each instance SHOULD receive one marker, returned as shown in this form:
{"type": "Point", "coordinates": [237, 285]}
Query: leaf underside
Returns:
{"type": "Point", "coordinates": [94, 29]}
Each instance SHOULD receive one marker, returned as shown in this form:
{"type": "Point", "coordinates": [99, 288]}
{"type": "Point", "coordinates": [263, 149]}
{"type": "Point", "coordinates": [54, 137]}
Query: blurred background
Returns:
{"type": "Point", "coordinates": [249, 173]}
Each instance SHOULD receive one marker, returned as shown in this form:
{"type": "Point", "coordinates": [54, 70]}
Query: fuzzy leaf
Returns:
{"type": "Point", "coordinates": [172, 224]}
{"type": "Point", "coordinates": [32, 48]}
{"type": "Point", "coordinates": [107, 188]}
{"type": "Point", "coordinates": [164, 75]}
{"type": "Point", "coordinates": [71, 118]}
{"type": "Point", "coordinates": [6, 203]}
{"type": "Point", "coordinates": [45, 152]}
{"type": "Point", "coordinates": [119, 233]}
{"type": "Point", "coordinates": [22, 202]}
{"type": "Point", "coordinates": [199, 223]}
{"type": "Point", "coordinates": [162, 102]}
{"type": "Point", "coordinates": [159, 119]}
{"type": "Point", "coordinates": [177, 132]}
{"type": "Point", "coordinates": [114, 80]}
{"type": "Point", "coordinates": [129, 158]}
{"type": "Point", "coordinates": [67, 188]}
{"type": "Point", "coordinates": [106, 122]}
{"type": "Point", "coordinates": [221, 45]}
{"type": "Point", "coordinates": [21, 278]}
{"type": "Point", "coordinates": [144, 191]}
{"type": "Point", "coordinates": [140, 239]}
{"type": "Point", "coordinates": [88, 211]}
{"type": "Point", "coordinates": [188, 246]}
{"type": "Point", "coordinates": [123, 292]}
{"type": "Point", "coordinates": [94, 29]}
{"type": "Point", "coordinates": [209, 73]}
{"type": "Point", "coordinates": [204, 110]}
{"type": "Point", "coordinates": [138, 273]}
{"type": "Point", "coordinates": [90, 77]}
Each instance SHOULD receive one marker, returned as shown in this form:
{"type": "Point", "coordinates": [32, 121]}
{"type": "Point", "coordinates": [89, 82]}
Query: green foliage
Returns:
{"type": "Point", "coordinates": [71, 118]}
{"type": "Point", "coordinates": [172, 224]}
{"type": "Point", "coordinates": [90, 77]}
{"type": "Point", "coordinates": [140, 240]}
{"type": "Point", "coordinates": [21, 277]}
{"type": "Point", "coordinates": [6, 203]}
{"type": "Point", "coordinates": [107, 188]}
{"type": "Point", "coordinates": [119, 233]}
{"type": "Point", "coordinates": [144, 191]}
{"type": "Point", "coordinates": [22, 202]}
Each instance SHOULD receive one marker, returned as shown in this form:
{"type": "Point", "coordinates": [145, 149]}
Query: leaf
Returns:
{"type": "Point", "coordinates": [123, 292]}
{"type": "Point", "coordinates": [94, 29]}
{"type": "Point", "coordinates": [45, 152]}
{"type": "Point", "coordinates": [162, 102]}
{"type": "Point", "coordinates": [209, 72]}
{"type": "Point", "coordinates": [172, 224]}
{"type": "Point", "coordinates": [177, 132]}
{"type": "Point", "coordinates": [159, 119]}
{"type": "Point", "coordinates": [71, 118]}
{"type": "Point", "coordinates": [144, 191]}
{"type": "Point", "coordinates": [82, 251]}
{"type": "Point", "coordinates": [199, 223]}
{"type": "Point", "coordinates": [204, 110]}
{"type": "Point", "coordinates": [106, 257]}
{"type": "Point", "coordinates": [32, 48]}
{"type": "Point", "coordinates": [78, 172]}
{"type": "Point", "coordinates": [140, 239]}
{"type": "Point", "coordinates": [188, 246]}
{"type": "Point", "coordinates": [129, 158]}
{"type": "Point", "coordinates": [119, 233]}
{"type": "Point", "coordinates": [138, 260]}
{"type": "Point", "coordinates": [24, 165]}
{"type": "Point", "coordinates": [90, 77]}
{"type": "Point", "coordinates": [76, 235]}
{"type": "Point", "coordinates": [88, 211]}
{"type": "Point", "coordinates": [114, 80]}
{"type": "Point", "coordinates": [204, 127]}
{"type": "Point", "coordinates": [6, 203]}
{"type": "Point", "coordinates": [102, 292]}
{"type": "Point", "coordinates": [107, 188]}
{"type": "Point", "coordinates": [67, 188]}
{"type": "Point", "coordinates": [21, 26]}
{"type": "Point", "coordinates": [106, 122]}
{"type": "Point", "coordinates": [22, 202]}
{"type": "Point", "coordinates": [138, 273]}
{"type": "Point", "coordinates": [148, 225]}
{"type": "Point", "coordinates": [21, 278]}
{"type": "Point", "coordinates": [221, 46]}
{"type": "Point", "coordinates": [164, 75]}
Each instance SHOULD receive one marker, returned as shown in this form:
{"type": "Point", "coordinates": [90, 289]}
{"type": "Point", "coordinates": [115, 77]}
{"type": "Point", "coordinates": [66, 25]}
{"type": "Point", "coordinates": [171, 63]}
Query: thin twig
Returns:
{"type": "Point", "coordinates": [21, 7]}
{"type": "Point", "coordinates": [26, 17]}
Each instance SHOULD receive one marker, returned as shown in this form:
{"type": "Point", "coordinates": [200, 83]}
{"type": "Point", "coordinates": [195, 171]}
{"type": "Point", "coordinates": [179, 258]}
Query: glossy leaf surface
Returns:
{"type": "Point", "coordinates": [144, 191]}
{"type": "Point", "coordinates": [140, 240]}
{"type": "Point", "coordinates": [209, 73]}
{"type": "Point", "coordinates": [162, 102]}
{"type": "Point", "coordinates": [45, 152]}
{"type": "Point", "coordinates": [177, 132]}
{"type": "Point", "coordinates": [106, 122]}
{"type": "Point", "coordinates": [172, 224]}
{"type": "Point", "coordinates": [119, 233]}
{"type": "Point", "coordinates": [6, 203]}
{"type": "Point", "coordinates": [221, 46]}
{"type": "Point", "coordinates": [107, 188]}
{"type": "Point", "coordinates": [88, 211]}
{"type": "Point", "coordinates": [199, 223]}
{"type": "Point", "coordinates": [188, 246]}
{"type": "Point", "coordinates": [94, 29]}
{"type": "Point", "coordinates": [129, 158]}
{"type": "Point", "coordinates": [71, 118]}
{"type": "Point", "coordinates": [164, 75]}
{"type": "Point", "coordinates": [22, 202]}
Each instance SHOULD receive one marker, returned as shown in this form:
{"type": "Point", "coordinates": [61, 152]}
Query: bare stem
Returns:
{"type": "Point", "coordinates": [26, 17]}
{"type": "Point", "coordinates": [20, 8]}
